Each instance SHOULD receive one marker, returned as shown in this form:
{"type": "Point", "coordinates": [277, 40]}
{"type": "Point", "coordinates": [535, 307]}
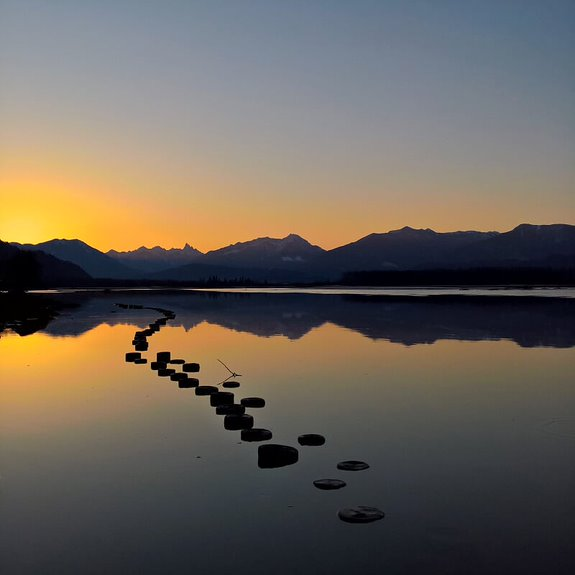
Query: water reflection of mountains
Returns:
{"type": "Point", "coordinates": [528, 321]}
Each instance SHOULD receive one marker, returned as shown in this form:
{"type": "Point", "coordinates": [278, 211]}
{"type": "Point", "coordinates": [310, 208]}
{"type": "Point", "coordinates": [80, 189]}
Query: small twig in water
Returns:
{"type": "Point", "coordinates": [234, 374]}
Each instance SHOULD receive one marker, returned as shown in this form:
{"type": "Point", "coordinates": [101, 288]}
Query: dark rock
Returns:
{"type": "Point", "coordinates": [133, 355]}
{"type": "Point", "coordinates": [189, 382]}
{"type": "Point", "coordinates": [273, 455]}
{"type": "Point", "coordinates": [256, 434]}
{"type": "Point", "coordinates": [165, 372]}
{"type": "Point", "coordinates": [231, 384]}
{"type": "Point", "coordinates": [233, 409]}
{"type": "Point", "coordinates": [206, 390]}
{"type": "Point", "coordinates": [360, 514]}
{"type": "Point", "coordinates": [221, 398]}
{"type": "Point", "coordinates": [141, 346]}
{"type": "Point", "coordinates": [253, 402]}
{"type": "Point", "coordinates": [164, 356]}
{"type": "Point", "coordinates": [236, 422]}
{"type": "Point", "coordinates": [178, 376]}
{"type": "Point", "coordinates": [191, 367]}
{"type": "Point", "coordinates": [141, 360]}
{"type": "Point", "coordinates": [311, 439]}
{"type": "Point", "coordinates": [329, 484]}
{"type": "Point", "coordinates": [158, 365]}
{"type": "Point", "coordinates": [352, 465]}
{"type": "Point", "coordinates": [177, 361]}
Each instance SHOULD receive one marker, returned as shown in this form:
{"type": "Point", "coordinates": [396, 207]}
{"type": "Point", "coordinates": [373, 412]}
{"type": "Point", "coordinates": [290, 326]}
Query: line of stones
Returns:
{"type": "Point", "coordinates": [235, 419]}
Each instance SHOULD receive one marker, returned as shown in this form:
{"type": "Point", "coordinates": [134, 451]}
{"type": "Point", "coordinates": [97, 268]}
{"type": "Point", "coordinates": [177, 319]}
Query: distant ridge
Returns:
{"type": "Point", "coordinates": [93, 261]}
{"type": "Point", "coordinates": [24, 269]}
{"type": "Point", "coordinates": [150, 260]}
{"type": "Point", "coordinates": [291, 252]}
{"type": "Point", "coordinates": [406, 248]}
{"type": "Point", "coordinates": [294, 259]}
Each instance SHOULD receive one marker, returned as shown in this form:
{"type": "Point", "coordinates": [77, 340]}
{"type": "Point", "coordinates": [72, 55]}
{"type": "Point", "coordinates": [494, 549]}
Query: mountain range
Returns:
{"type": "Point", "coordinates": [293, 259]}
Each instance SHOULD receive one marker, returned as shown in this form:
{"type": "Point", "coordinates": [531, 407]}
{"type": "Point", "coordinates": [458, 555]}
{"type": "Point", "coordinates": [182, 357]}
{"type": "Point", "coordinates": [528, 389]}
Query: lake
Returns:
{"type": "Point", "coordinates": [463, 407]}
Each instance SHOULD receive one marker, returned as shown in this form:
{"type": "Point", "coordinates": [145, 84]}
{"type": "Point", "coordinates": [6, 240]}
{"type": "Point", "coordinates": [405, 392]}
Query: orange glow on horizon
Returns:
{"type": "Point", "coordinates": [107, 216]}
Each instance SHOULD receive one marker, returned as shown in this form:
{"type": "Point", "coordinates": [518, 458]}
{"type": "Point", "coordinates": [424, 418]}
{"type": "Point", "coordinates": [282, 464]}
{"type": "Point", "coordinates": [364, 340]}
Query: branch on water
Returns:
{"type": "Point", "coordinates": [234, 374]}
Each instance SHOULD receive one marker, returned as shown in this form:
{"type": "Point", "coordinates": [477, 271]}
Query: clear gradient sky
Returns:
{"type": "Point", "coordinates": [130, 122]}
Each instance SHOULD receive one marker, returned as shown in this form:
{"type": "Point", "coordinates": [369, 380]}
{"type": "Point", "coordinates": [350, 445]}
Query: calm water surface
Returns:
{"type": "Point", "coordinates": [464, 411]}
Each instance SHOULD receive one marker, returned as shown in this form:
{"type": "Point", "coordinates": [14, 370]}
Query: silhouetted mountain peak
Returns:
{"type": "Point", "coordinates": [410, 230]}
{"type": "Point", "coordinates": [93, 261]}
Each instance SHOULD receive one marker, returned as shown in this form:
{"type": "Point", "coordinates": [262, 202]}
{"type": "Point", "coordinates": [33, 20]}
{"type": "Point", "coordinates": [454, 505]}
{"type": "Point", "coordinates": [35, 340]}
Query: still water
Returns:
{"type": "Point", "coordinates": [464, 410]}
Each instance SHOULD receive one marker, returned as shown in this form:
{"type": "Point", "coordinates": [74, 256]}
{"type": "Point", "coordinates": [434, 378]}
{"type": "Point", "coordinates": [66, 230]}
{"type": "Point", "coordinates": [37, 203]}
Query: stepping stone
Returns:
{"type": "Point", "coordinates": [253, 402]}
{"type": "Point", "coordinates": [272, 455]}
{"type": "Point", "coordinates": [256, 434]}
{"type": "Point", "coordinates": [237, 422]}
{"type": "Point", "coordinates": [206, 390]}
{"type": "Point", "coordinates": [141, 360]}
{"type": "Point", "coordinates": [164, 356]}
{"type": "Point", "coordinates": [311, 439]}
{"type": "Point", "coordinates": [191, 367]}
{"type": "Point", "coordinates": [221, 398]}
{"type": "Point", "coordinates": [329, 484]}
{"type": "Point", "coordinates": [177, 361]}
{"type": "Point", "coordinates": [352, 465]}
{"type": "Point", "coordinates": [233, 409]}
{"type": "Point", "coordinates": [231, 384]}
{"type": "Point", "coordinates": [179, 376]}
{"type": "Point", "coordinates": [141, 346]}
{"type": "Point", "coordinates": [189, 382]}
{"type": "Point", "coordinates": [165, 372]}
{"type": "Point", "coordinates": [133, 355]}
{"type": "Point", "coordinates": [158, 365]}
{"type": "Point", "coordinates": [360, 514]}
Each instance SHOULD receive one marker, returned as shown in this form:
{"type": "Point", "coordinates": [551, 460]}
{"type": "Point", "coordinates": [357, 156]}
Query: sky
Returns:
{"type": "Point", "coordinates": [138, 122]}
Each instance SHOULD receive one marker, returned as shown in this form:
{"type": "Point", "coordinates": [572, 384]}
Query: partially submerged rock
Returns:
{"type": "Point", "coordinates": [141, 360]}
{"type": "Point", "coordinates": [189, 382]}
{"type": "Point", "coordinates": [329, 484]}
{"type": "Point", "coordinates": [164, 356]}
{"type": "Point", "coordinates": [311, 439]}
{"type": "Point", "coordinates": [233, 409]}
{"type": "Point", "coordinates": [133, 355]}
{"type": "Point", "coordinates": [221, 398]}
{"type": "Point", "coordinates": [191, 367]}
{"type": "Point", "coordinates": [253, 402]}
{"type": "Point", "coordinates": [360, 514]}
{"type": "Point", "coordinates": [231, 384]}
{"type": "Point", "coordinates": [237, 422]}
{"type": "Point", "coordinates": [256, 434]}
{"type": "Point", "coordinates": [165, 372]}
{"type": "Point", "coordinates": [352, 465]}
{"type": "Point", "coordinates": [273, 455]}
{"type": "Point", "coordinates": [206, 390]}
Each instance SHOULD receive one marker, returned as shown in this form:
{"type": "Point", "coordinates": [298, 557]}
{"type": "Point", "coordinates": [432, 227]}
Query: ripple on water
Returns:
{"type": "Point", "coordinates": [560, 427]}
{"type": "Point", "coordinates": [352, 465]}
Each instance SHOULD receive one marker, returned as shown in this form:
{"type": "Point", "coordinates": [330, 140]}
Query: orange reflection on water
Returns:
{"type": "Point", "coordinates": [51, 384]}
